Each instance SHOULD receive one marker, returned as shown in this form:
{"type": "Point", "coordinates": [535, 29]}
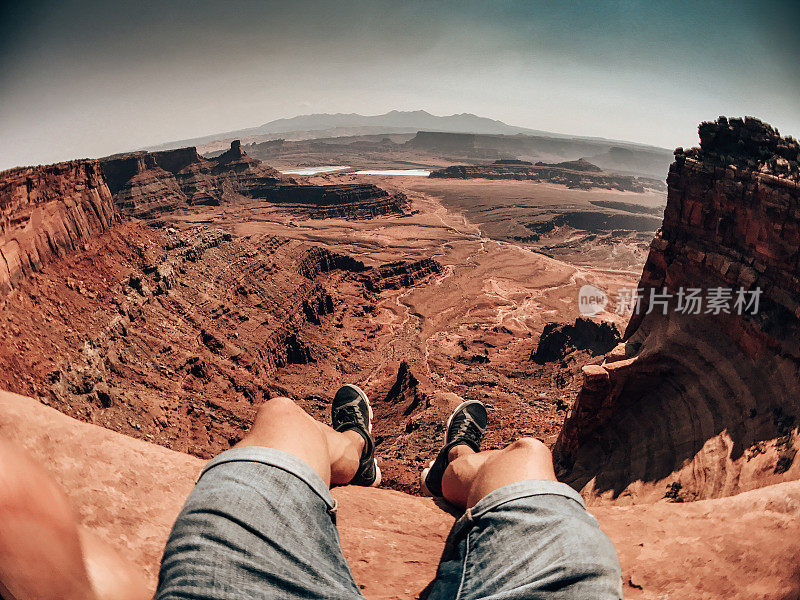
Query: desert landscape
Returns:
{"type": "Point", "coordinates": [153, 298]}
{"type": "Point", "coordinates": [169, 309]}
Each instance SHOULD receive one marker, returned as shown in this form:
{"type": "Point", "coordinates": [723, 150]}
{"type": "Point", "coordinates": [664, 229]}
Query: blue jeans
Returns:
{"type": "Point", "coordinates": [262, 524]}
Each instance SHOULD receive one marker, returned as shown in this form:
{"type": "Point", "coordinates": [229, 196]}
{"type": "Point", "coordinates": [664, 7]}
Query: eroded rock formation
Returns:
{"type": "Point", "coordinates": [705, 403]}
{"type": "Point", "coordinates": [48, 211]}
{"type": "Point", "coordinates": [561, 339]}
{"type": "Point", "coordinates": [149, 184]}
{"type": "Point", "coordinates": [396, 275]}
{"type": "Point", "coordinates": [350, 201]}
{"type": "Point", "coordinates": [578, 174]}
{"type": "Point", "coordinates": [405, 391]}
{"type": "Point", "coordinates": [170, 336]}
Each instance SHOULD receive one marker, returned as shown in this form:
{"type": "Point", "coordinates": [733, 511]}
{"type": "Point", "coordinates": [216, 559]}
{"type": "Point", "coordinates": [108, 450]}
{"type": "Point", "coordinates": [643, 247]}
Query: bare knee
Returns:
{"type": "Point", "coordinates": [531, 445]}
{"type": "Point", "coordinates": [535, 450]}
{"type": "Point", "coordinates": [278, 419]}
{"type": "Point", "coordinates": [276, 408]}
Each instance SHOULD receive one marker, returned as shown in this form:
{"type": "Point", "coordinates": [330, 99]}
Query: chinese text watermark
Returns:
{"type": "Point", "coordinates": [687, 301]}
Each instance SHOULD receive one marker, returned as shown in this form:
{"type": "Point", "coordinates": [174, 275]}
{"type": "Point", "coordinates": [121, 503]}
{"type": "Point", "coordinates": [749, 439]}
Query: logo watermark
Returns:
{"type": "Point", "coordinates": [591, 300]}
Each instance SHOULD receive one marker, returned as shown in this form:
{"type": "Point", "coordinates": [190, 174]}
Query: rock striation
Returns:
{"type": "Point", "coordinates": [704, 402]}
{"type": "Point", "coordinates": [329, 201]}
{"type": "Point", "coordinates": [177, 336]}
{"type": "Point", "coordinates": [48, 211]}
{"type": "Point", "coordinates": [579, 174]}
{"type": "Point", "coordinates": [400, 274]}
{"type": "Point", "coordinates": [148, 185]}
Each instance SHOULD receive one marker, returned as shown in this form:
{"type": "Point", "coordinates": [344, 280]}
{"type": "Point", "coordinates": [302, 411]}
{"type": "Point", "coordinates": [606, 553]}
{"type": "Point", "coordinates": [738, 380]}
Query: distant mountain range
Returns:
{"type": "Point", "coordinates": [339, 124]}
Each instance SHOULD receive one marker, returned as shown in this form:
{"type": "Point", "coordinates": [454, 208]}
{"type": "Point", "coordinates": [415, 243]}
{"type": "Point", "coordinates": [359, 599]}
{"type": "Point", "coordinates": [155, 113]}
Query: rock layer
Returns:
{"type": "Point", "coordinates": [48, 211]}
{"type": "Point", "coordinates": [351, 201]}
{"type": "Point", "coordinates": [400, 274]}
{"type": "Point", "coordinates": [573, 174]}
{"type": "Point", "coordinates": [147, 184]}
{"type": "Point", "coordinates": [705, 403]}
{"type": "Point", "coordinates": [151, 184]}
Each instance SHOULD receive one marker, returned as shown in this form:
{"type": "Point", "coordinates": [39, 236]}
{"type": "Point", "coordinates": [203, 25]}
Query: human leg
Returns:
{"type": "Point", "coordinates": [43, 552]}
{"type": "Point", "coordinates": [472, 475]}
{"type": "Point", "coordinates": [261, 520]}
{"type": "Point", "coordinates": [524, 534]}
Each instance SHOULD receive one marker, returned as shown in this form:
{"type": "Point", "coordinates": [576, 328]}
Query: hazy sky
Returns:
{"type": "Point", "coordinates": [92, 78]}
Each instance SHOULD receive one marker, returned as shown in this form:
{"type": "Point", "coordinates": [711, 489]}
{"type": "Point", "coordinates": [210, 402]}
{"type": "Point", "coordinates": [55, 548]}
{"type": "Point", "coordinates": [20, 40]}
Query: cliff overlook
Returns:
{"type": "Point", "coordinates": [704, 401]}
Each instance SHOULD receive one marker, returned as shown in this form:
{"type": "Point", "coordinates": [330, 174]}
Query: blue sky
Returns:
{"type": "Point", "coordinates": [92, 78]}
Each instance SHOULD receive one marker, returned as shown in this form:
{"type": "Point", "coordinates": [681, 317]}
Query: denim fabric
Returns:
{"type": "Point", "coordinates": [533, 540]}
{"type": "Point", "coordinates": [261, 524]}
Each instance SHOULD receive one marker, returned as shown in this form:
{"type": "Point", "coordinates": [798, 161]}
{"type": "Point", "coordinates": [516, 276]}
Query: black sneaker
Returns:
{"type": "Point", "coordinates": [351, 410]}
{"type": "Point", "coordinates": [465, 426]}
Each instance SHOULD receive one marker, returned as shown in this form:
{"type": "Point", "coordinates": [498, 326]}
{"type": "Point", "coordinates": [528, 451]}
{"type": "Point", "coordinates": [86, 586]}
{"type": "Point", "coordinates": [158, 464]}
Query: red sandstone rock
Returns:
{"type": "Point", "coordinates": [393, 276]}
{"type": "Point", "coordinates": [706, 400]}
{"type": "Point", "coordinates": [46, 212]}
{"type": "Point", "coordinates": [149, 184]}
{"type": "Point", "coordinates": [128, 493]}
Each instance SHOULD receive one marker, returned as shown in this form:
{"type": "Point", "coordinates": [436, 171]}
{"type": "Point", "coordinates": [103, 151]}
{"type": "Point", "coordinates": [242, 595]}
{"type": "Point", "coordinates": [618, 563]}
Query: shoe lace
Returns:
{"type": "Point", "coordinates": [349, 414]}
{"type": "Point", "coordinates": [466, 427]}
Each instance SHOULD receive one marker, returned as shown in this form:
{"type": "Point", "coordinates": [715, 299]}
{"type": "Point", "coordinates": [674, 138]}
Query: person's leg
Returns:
{"type": "Point", "coordinates": [43, 553]}
{"type": "Point", "coordinates": [283, 425]}
{"type": "Point", "coordinates": [524, 534]}
{"type": "Point", "coordinates": [472, 475]}
{"type": "Point", "coordinates": [261, 520]}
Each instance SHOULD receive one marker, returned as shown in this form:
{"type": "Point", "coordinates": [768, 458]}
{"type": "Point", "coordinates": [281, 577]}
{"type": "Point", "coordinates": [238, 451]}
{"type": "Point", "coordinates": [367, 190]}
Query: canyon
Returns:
{"type": "Point", "coordinates": [152, 300]}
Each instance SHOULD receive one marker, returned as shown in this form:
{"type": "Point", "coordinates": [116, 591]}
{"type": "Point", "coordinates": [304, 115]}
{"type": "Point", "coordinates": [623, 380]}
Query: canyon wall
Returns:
{"type": "Point", "coordinates": [703, 405]}
{"type": "Point", "coordinates": [347, 200]}
{"type": "Point", "coordinates": [148, 185]}
{"type": "Point", "coordinates": [47, 211]}
{"type": "Point", "coordinates": [573, 174]}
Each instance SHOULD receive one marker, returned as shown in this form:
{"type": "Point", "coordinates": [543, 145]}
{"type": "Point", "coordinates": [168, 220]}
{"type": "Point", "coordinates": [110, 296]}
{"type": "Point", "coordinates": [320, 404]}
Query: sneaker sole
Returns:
{"type": "Point", "coordinates": [377, 481]}
{"type": "Point", "coordinates": [424, 475]}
